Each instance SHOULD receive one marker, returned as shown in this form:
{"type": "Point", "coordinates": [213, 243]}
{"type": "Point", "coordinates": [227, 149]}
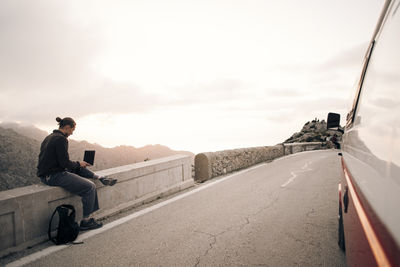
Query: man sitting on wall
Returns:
{"type": "Point", "coordinates": [56, 169]}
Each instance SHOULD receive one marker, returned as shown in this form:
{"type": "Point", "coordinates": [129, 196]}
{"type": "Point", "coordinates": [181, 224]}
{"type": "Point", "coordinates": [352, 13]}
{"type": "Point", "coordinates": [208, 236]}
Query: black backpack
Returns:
{"type": "Point", "coordinates": [68, 229]}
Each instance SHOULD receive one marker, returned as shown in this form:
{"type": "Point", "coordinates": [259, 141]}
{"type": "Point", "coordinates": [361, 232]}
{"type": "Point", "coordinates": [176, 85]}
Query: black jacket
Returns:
{"type": "Point", "coordinates": [54, 156]}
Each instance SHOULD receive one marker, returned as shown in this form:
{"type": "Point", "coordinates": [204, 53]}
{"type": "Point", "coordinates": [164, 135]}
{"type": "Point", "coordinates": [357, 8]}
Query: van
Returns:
{"type": "Point", "coordinates": [369, 189]}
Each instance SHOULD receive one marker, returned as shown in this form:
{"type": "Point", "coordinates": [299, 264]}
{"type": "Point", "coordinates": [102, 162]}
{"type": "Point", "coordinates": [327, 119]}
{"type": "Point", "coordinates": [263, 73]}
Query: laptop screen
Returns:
{"type": "Point", "coordinates": [89, 156]}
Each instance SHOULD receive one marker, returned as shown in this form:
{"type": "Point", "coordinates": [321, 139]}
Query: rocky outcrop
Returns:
{"type": "Point", "coordinates": [313, 131]}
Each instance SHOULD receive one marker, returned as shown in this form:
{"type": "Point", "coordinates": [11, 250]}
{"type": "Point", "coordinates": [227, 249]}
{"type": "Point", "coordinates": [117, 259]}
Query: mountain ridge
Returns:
{"type": "Point", "coordinates": [20, 146]}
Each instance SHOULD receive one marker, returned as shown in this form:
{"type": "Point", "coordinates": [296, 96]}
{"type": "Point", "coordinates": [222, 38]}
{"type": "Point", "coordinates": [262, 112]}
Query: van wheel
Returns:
{"type": "Point", "coordinates": [341, 231]}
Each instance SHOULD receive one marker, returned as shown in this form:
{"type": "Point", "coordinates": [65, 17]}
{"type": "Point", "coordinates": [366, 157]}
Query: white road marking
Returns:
{"type": "Point", "coordinates": [293, 174]}
{"type": "Point", "coordinates": [47, 251]}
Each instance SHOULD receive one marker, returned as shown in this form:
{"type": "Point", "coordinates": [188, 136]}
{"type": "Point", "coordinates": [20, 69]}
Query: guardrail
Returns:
{"type": "Point", "coordinates": [25, 211]}
{"type": "Point", "coordinates": [211, 164]}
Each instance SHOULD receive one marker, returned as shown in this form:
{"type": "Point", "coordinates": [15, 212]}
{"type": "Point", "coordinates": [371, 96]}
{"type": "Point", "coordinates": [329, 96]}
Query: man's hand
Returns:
{"type": "Point", "coordinates": [84, 164]}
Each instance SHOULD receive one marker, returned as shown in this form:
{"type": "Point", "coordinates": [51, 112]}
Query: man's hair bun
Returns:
{"type": "Point", "coordinates": [66, 121]}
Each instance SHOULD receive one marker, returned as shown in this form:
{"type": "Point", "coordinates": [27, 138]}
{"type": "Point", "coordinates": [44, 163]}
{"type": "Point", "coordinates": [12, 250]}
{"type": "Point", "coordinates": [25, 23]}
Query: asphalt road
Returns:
{"type": "Point", "coordinates": [282, 213]}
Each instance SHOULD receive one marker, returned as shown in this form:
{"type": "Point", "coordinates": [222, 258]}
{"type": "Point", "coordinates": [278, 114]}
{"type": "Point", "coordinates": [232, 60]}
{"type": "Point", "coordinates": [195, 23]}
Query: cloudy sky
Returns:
{"type": "Point", "coordinates": [192, 75]}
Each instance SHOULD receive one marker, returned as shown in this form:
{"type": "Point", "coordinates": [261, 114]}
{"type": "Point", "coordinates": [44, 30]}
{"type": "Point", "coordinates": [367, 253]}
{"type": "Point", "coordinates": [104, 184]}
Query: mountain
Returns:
{"type": "Point", "coordinates": [313, 131]}
{"type": "Point", "coordinates": [25, 130]}
{"type": "Point", "coordinates": [18, 159]}
{"type": "Point", "coordinates": [20, 145]}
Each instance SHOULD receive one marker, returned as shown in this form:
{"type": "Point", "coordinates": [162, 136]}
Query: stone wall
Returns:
{"type": "Point", "coordinates": [292, 148]}
{"type": "Point", "coordinates": [25, 211]}
{"type": "Point", "coordinates": [212, 164]}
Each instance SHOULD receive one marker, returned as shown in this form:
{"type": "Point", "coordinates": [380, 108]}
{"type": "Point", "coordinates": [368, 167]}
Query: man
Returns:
{"type": "Point", "coordinates": [56, 169]}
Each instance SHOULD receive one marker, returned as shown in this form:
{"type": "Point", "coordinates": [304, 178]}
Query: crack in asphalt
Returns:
{"type": "Point", "coordinates": [214, 241]}
{"type": "Point", "coordinates": [239, 227]}
{"type": "Point", "coordinates": [268, 206]}
{"type": "Point", "coordinates": [215, 236]}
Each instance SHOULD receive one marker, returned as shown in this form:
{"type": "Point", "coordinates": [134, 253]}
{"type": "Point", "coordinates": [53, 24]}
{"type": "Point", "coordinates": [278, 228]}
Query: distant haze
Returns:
{"type": "Point", "coordinates": [191, 75]}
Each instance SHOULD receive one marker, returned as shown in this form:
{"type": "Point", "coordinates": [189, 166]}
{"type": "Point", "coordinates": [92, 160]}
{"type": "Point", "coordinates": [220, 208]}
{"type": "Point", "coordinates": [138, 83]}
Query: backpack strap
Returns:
{"type": "Point", "coordinates": [75, 243]}
{"type": "Point", "coordinates": [49, 230]}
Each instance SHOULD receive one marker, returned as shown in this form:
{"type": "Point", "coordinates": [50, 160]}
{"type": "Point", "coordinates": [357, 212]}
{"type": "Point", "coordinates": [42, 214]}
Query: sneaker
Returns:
{"type": "Point", "coordinates": [90, 224]}
{"type": "Point", "coordinates": [108, 181]}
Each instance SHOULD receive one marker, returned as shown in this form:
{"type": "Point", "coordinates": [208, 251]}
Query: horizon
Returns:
{"type": "Point", "coordinates": [23, 124]}
{"type": "Point", "coordinates": [195, 76]}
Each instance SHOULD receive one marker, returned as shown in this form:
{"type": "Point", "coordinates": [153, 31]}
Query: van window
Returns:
{"type": "Point", "coordinates": [377, 116]}
{"type": "Point", "coordinates": [350, 115]}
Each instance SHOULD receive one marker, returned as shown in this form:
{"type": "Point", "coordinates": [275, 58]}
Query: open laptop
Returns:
{"type": "Point", "coordinates": [89, 156]}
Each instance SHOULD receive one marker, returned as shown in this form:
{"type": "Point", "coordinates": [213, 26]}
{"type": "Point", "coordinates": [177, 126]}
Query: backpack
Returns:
{"type": "Point", "coordinates": [68, 228]}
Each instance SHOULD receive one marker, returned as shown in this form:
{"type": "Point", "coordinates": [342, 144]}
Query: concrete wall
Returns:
{"type": "Point", "coordinates": [25, 212]}
{"type": "Point", "coordinates": [212, 164]}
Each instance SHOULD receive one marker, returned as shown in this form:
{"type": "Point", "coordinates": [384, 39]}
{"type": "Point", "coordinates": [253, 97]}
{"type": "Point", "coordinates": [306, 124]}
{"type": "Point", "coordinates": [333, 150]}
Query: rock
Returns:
{"type": "Point", "coordinates": [313, 131]}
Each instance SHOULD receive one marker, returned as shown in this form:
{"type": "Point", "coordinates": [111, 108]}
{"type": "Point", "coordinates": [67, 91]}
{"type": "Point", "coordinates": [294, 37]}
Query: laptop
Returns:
{"type": "Point", "coordinates": [89, 156]}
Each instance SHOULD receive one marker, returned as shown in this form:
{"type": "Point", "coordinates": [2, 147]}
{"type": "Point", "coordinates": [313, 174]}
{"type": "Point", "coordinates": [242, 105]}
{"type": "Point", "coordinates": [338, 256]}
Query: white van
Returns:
{"type": "Point", "coordinates": [369, 191]}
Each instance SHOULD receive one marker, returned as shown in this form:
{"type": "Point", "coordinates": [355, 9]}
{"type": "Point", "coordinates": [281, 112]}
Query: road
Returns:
{"type": "Point", "coordinates": [282, 213]}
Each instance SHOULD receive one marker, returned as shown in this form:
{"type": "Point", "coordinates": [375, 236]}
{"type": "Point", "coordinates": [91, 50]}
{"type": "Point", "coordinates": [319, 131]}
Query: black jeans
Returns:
{"type": "Point", "coordinates": [76, 182]}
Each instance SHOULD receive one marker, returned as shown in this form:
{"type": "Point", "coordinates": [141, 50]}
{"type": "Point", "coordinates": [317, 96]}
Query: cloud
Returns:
{"type": "Point", "coordinates": [213, 92]}
{"type": "Point", "coordinates": [350, 58]}
{"type": "Point", "coordinates": [231, 95]}
{"type": "Point", "coordinates": [43, 48]}
{"type": "Point", "coordinates": [47, 53]}
{"type": "Point", "coordinates": [284, 93]}
{"type": "Point", "coordinates": [107, 97]}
